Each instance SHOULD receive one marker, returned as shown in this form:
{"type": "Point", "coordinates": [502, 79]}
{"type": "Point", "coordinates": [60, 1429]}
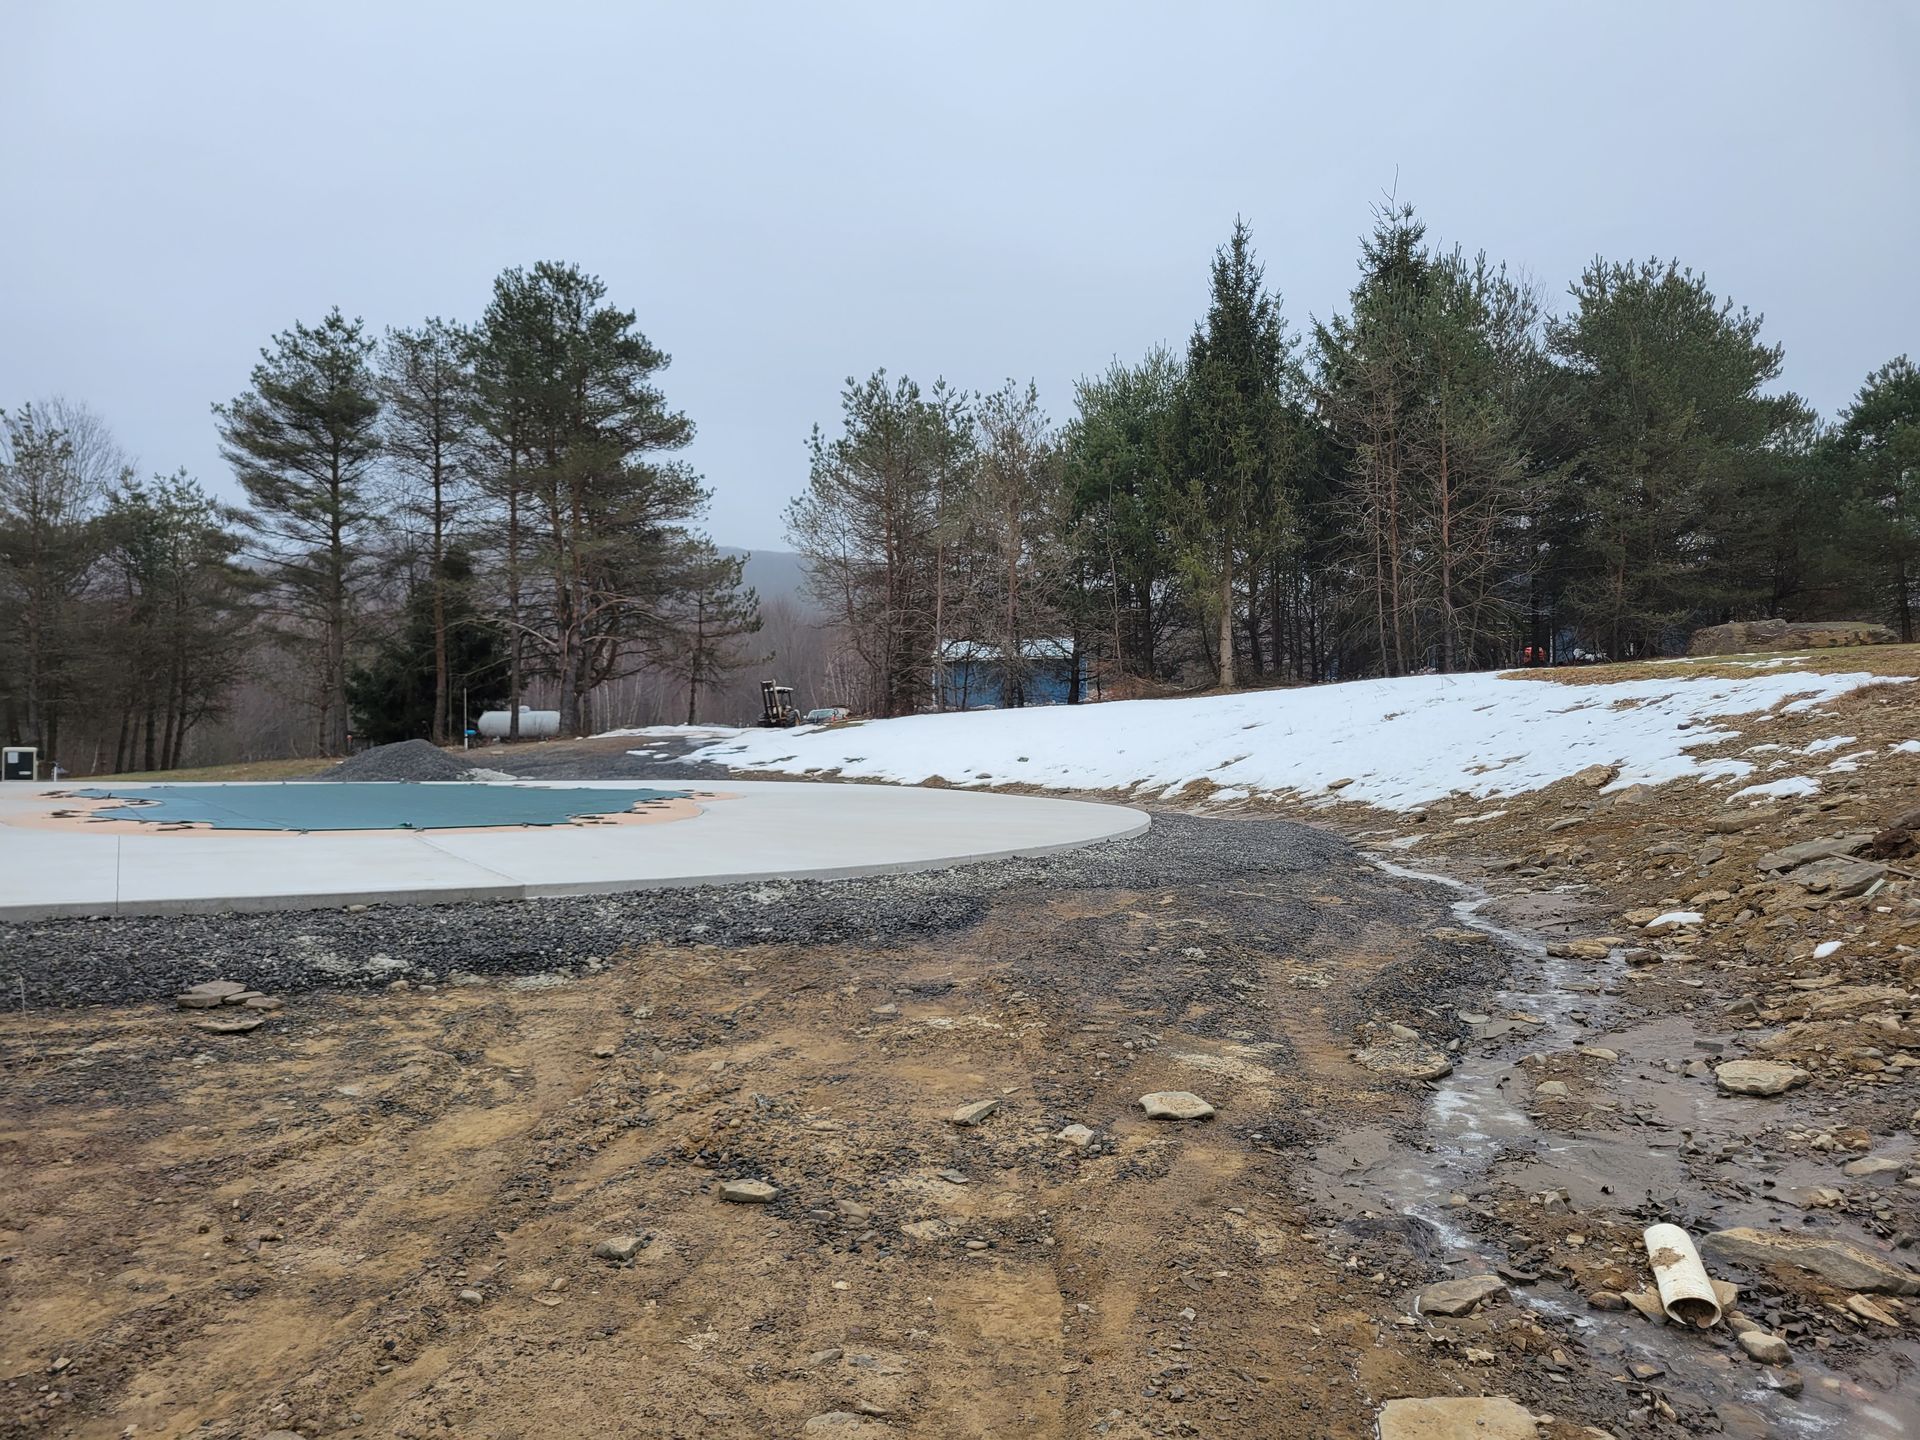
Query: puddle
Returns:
{"type": "Point", "coordinates": [1477, 1132]}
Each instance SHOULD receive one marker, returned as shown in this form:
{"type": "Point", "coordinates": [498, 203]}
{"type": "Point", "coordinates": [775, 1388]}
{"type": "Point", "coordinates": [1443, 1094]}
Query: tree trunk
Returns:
{"type": "Point", "coordinates": [1225, 660]}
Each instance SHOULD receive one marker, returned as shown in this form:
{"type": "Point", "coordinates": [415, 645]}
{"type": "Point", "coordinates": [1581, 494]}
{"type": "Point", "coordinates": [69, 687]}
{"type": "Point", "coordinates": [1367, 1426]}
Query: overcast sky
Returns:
{"type": "Point", "coordinates": [790, 194]}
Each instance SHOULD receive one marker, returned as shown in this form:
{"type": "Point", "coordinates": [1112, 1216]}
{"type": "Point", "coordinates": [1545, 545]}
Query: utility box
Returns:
{"type": "Point", "coordinates": [19, 762]}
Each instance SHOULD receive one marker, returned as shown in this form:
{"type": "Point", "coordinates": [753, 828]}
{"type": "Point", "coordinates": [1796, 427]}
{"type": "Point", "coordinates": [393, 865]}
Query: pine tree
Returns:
{"type": "Point", "coordinates": [1115, 454]}
{"type": "Point", "coordinates": [711, 615]}
{"type": "Point", "coordinates": [1233, 440]}
{"type": "Point", "coordinates": [566, 389]}
{"type": "Point", "coordinates": [56, 464]}
{"type": "Point", "coordinates": [1879, 440]}
{"type": "Point", "coordinates": [427, 383]}
{"type": "Point", "coordinates": [302, 442]}
{"type": "Point", "coordinates": [1667, 408]}
{"type": "Point", "coordinates": [873, 526]}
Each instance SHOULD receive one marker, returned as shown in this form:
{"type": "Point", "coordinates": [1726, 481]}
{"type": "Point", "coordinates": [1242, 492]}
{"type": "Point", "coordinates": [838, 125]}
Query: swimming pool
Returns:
{"type": "Point", "coordinates": [366, 805]}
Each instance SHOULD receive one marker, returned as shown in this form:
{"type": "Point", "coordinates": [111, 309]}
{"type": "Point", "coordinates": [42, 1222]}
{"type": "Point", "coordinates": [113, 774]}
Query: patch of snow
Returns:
{"type": "Point", "coordinates": [1848, 763]}
{"type": "Point", "coordinates": [1763, 749]}
{"type": "Point", "coordinates": [1832, 742]}
{"type": "Point", "coordinates": [1825, 948]}
{"type": "Point", "coordinates": [1403, 743]}
{"type": "Point", "coordinates": [1675, 917]}
{"type": "Point", "coordinates": [1476, 819]}
{"type": "Point", "coordinates": [1906, 747]}
{"type": "Point", "coordinates": [1792, 785]}
{"type": "Point", "coordinates": [678, 732]}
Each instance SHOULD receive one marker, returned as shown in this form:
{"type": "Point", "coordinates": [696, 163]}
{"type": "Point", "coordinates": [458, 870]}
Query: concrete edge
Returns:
{"type": "Point", "coordinates": [460, 894]}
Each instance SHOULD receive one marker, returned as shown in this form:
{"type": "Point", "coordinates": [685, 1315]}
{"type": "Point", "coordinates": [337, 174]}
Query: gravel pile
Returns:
{"type": "Point", "coordinates": [405, 760]}
{"type": "Point", "coordinates": [82, 962]}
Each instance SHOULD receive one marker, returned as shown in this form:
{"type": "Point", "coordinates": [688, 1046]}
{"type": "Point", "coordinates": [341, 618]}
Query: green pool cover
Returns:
{"type": "Point", "coordinates": [366, 805]}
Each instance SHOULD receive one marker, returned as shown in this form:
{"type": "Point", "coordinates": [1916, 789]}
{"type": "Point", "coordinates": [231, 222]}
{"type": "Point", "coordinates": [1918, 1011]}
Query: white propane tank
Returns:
{"type": "Point", "coordinates": [534, 724]}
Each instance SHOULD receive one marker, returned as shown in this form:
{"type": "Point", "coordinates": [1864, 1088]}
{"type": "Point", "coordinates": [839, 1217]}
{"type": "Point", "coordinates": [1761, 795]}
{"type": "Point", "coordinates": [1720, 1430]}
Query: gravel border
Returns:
{"type": "Point", "coordinates": [113, 960]}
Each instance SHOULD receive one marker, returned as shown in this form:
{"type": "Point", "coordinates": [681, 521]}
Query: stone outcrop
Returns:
{"type": "Point", "coordinates": [1837, 1261]}
{"type": "Point", "coordinates": [1749, 637]}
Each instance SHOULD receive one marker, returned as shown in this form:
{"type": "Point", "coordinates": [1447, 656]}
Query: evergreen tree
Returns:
{"type": "Point", "coordinates": [427, 383]}
{"type": "Point", "coordinates": [302, 441]}
{"type": "Point", "coordinates": [1233, 440]}
{"type": "Point", "coordinates": [1667, 407]}
{"type": "Point", "coordinates": [871, 526]}
{"type": "Point", "coordinates": [1017, 508]}
{"type": "Point", "coordinates": [1370, 397]}
{"type": "Point", "coordinates": [597, 510]}
{"type": "Point", "coordinates": [181, 605]}
{"type": "Point", "coordinates": [1115, 458]}
{"type": "Point", "coordinates": [395, 694]}
{"type": "Point", "coordinates": [712, 614]}
{"type": "Point", "coordinates": [56, 462]}
{"type": "Point", "coordinates": [1878, 441]}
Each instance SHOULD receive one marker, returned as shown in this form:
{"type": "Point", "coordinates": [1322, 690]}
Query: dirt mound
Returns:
{"type": "Point", "coordinates": [405, 760]}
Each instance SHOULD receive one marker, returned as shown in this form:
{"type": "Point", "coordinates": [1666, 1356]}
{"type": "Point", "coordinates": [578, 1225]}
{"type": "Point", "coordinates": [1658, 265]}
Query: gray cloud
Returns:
{"type": "Point", "coordinates": [789, 194]}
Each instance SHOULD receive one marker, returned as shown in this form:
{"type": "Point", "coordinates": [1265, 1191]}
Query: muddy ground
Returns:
{"type": "Point", "coordinates": [376, 1215]}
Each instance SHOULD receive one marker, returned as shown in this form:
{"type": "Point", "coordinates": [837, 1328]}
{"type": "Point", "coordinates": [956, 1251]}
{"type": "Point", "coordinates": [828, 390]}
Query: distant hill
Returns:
{"type": "Point", "coordinates": [775, 574]}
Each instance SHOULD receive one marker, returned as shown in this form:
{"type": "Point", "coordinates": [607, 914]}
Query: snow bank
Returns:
{"type": "Point", "coordinates": [1398, 744]}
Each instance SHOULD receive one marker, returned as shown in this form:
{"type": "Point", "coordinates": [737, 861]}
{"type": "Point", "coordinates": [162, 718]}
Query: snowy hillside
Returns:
{"type": "Point", "coordinates": [1399, 743]}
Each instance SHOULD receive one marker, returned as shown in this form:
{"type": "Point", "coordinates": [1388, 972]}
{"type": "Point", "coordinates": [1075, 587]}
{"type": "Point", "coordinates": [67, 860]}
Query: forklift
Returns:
{"type": "Point", "coordinates": [778, 711]}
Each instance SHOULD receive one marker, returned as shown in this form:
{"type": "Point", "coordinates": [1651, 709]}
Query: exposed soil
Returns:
{"type": "Point", "coordinates": [226, 1235]}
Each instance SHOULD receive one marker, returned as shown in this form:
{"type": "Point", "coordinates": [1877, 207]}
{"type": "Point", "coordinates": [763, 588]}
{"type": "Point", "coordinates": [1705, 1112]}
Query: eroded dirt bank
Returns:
{"type": "Point", "coordinates": [377, 1214]}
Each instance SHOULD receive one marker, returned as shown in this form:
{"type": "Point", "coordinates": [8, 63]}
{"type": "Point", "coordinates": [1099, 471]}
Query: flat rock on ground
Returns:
{"type": "Point", "coordinates": [1837, 1261]}
{"type": "Point", "coordinates": [842, 1422]}
{"type": "Point", "coordinates": [1175, 1105]}
{"type": "Point", "coordinates": [974, 1112]}
{"type": "Point", "coordinates": [1456, 1418]}
{"type": "Point", "coordinates": [1758, 1077]}
{"type": "Point", "coordinates": [1405, 1060]}
{"type": "Point", "coordinates": [1457, 1297]}
{"type": "Point", "coordinates": [748, 1192]}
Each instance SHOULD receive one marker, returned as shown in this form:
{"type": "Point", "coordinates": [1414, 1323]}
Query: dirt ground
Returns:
{"type": "Point", "coordinates": [377, 1214]}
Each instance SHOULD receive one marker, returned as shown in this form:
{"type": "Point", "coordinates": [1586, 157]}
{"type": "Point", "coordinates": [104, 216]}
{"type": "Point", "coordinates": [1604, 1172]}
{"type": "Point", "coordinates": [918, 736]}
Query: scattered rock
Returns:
{"type": "Point", "coordinates": [1840, 1262]}
{"type": "Point", "coordinates": [1758, 1077]}
{"type": "Point", "coordinates": [1595, 776]}
{"type": "Point", "coordinates": [472, 1297]}
{"type": "Point", "coordinates": [842, 1422]}
{"type": "Point", "coordinates": [1551, 1090]}
{"type": "Point", "coordinates": [1405, 1060]}
{"type": "Point", "coordinates": [236, 1025]}
{"type": "Point", "coordinates": [975, 1111]}
{"type": "Point", "coordinates": [1767, 1348]}
{"type": "Point", "coordinates": [621, 1248]}
{"type": "Point", "coordinates": [748, 1192]}
{"type": "Point", "coordinates": [1458, 1297]}
{"type": "Point", "coordinates": [263, 1002]}
{"type": "Point", "coordinates": [1788, 857]}
{"type": "Point", "coordinates": [1076, 1135]}
{"type": "Point", "coordinates": [1456, 1418]}
{"type": "Point", "coordinates": [1863, 1307]}
{"type": "Point", "coordinates": [1175, 1105]}
{"type": "Point", "coordinates": [1647, 1302]}
{"type": "Point", "coordinates": [1871, 1166]}
{"type": "Point", "coordinates": [1837, 879]}
{"type": "Point", "coordinates": [209, 995]}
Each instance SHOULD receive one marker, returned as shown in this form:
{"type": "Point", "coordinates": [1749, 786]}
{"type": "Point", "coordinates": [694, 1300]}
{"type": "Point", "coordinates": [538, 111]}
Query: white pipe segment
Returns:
{"type": "Point", "coordinates": [1686, 1294]}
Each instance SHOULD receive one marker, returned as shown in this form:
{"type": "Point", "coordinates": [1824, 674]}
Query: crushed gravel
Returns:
{"type": "Point", "coordinates": [122, 959]}
{"type": "Point", "coordinates": [404, 760]}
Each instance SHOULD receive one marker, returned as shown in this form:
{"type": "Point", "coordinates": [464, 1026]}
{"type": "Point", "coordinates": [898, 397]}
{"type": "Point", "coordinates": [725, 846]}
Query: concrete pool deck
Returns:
{"type": "Point", "coordinates": [763, 830]}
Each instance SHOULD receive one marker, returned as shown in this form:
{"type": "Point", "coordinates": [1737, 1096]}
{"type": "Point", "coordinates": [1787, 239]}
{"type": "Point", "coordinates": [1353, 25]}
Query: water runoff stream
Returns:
{"type": "Point", "coordinates": [1475, 1130]}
